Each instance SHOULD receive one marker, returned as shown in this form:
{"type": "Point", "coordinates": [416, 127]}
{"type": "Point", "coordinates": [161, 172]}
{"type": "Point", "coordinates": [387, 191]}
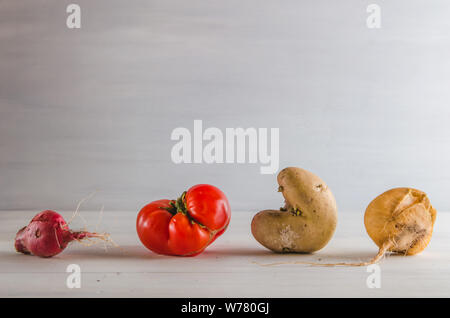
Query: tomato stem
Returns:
{"type": "Point", "coordinates": [177, 206]}
{"type": "Point", "coordinates": [171, 209]}
{"type": "Point", "coordinates": [180, 204]}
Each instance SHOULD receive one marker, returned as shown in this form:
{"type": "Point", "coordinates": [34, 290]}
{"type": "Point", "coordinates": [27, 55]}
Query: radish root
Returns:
{"type": "Point", "coordinates": [76, 212]}
{"type": "Point", "coordinates": [85, 237]}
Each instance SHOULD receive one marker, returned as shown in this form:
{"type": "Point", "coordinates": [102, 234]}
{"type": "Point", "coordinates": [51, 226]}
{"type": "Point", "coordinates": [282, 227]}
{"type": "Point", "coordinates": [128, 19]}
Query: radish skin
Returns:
{"type": "Point", "coordinates": [48, 234]}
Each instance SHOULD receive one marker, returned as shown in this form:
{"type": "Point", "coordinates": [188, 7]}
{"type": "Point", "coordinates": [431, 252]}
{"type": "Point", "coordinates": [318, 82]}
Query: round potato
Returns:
{"type": "Point", "coordinates": [307, 221]}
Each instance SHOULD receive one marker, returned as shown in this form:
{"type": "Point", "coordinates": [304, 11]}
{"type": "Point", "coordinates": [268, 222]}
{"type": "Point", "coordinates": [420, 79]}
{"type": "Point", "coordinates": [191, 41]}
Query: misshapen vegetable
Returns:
{"type": "Point", "coordinates": [48, 234]}
{"type": "Point", "coordinates": [400, 220]}
{"type": "Point", "coordinates": [308, 220]}
{"type": "Point", "coordinates": [186, 226]}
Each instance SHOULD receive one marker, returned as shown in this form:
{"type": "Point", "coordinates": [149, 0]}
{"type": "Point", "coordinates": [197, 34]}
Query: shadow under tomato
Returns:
{"type": "Point", "coordinates": [235, 251]}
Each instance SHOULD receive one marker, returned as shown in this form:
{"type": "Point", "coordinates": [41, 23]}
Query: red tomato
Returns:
{"type": "Point", "coordinates": [186, 226]}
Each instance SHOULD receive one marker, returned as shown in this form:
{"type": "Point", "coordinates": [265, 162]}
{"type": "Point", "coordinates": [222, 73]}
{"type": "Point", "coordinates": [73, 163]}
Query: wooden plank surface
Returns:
{"type": "Point", "coordinates": [227, 269]}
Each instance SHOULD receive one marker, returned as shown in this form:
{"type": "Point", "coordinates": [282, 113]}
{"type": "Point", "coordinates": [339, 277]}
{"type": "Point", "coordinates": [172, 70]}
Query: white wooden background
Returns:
{"type": "Point", "coordinates": [366, 109]}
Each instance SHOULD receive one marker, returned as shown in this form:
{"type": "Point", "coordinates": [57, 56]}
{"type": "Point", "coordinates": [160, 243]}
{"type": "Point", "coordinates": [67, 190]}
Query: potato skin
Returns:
{"type": "Point", "coordinates": [310, 218]}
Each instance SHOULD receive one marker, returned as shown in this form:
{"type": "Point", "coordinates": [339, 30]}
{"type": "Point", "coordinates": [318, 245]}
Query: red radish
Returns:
{"type": "Point", "coordinates": [48, 235]}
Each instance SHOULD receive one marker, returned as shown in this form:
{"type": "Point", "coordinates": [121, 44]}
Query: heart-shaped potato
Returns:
{"type": "Point", "coordinates": [308, 220]}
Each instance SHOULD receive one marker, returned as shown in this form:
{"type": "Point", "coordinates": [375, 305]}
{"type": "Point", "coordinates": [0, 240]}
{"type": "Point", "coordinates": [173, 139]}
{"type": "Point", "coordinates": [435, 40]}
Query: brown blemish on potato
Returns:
{"type": "Point", "coordinates": [320, 187]}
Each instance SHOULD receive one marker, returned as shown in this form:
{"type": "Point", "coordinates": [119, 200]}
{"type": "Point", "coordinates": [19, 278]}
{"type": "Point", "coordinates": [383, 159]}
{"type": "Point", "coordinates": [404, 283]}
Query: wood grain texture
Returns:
{"type": "Point", "coordinates": [94, 108]}
{"type": "Point", "coordinates": [225, 269]}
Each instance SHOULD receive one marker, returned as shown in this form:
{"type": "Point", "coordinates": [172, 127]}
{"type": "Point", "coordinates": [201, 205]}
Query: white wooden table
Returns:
{"type": "Point", "coordinates": [225, 269]}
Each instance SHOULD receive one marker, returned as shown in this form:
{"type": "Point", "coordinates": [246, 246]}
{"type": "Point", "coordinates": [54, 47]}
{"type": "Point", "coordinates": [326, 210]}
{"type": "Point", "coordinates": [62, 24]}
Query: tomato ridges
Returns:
{"type": "Point", "coordinates": [185, 226]}
{"type": "Point", "coordinates": [212, 234]}
{"type": "Point", "coordinates": [179, 206]}
{"type": "Point", "coordinates": [181, 203]}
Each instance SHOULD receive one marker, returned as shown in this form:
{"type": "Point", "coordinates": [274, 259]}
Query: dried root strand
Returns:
{"type": "Point", "coordinates": [76, 212]}
{"type": "Point", "coordinates": [381, 252]}
{"type": "Point", "coordinates": [85, 237]}
{"type": "Point", "coordinates": [89, 239]}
